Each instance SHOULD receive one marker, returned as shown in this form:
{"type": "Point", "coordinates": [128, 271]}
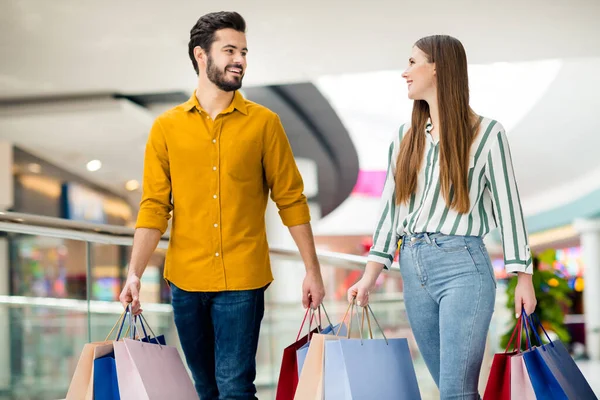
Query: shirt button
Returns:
{"type": "Point", "coordinates": [214, 168]}
{"type": "Point", "coordinates": [214, 140]}
{"type": "Point", "coordinates": [215, 225]}
{"type": "Point", "coordinates": [216, 254]}
{"type": "Point", "coordinates": [214, 196]}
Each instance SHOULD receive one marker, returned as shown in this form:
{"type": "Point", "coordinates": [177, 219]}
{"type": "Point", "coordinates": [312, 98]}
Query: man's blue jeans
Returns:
{"type": "Point", "coordinates": [219, 337]}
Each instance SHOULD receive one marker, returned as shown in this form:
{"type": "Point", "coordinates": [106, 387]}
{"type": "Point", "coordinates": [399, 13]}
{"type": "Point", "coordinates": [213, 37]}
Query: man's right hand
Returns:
{"type": "Point", "coordinates": [131, 294]}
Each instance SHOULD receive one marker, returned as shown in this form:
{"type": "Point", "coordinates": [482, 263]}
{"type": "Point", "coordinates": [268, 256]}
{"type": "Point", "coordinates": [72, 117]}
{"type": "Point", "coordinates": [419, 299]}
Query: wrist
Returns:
{"type": "Point", "coordinates": [313, 270]}
{"type": "Point", "coordinates": [522, 276]}
{"type": "Point", "coordinates": [370, 278]}
{"type": "Point", "coordinates": [132, 275]}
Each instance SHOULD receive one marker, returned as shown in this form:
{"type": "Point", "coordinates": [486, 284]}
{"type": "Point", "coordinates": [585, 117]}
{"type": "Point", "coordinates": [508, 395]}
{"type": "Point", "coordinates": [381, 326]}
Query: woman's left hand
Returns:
{"type": "Point", "coordinates": [525, 295]}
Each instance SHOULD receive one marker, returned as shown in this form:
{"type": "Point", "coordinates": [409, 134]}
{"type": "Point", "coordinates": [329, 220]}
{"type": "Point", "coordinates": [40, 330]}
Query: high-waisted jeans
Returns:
{"type": "Point", "coordinates": [449, 292]}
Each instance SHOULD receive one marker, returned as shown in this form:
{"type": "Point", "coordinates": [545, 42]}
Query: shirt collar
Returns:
{"type": "Point", "coordinates": [428, 126]}
{"type": "Point", "coordinates": [238, 103]}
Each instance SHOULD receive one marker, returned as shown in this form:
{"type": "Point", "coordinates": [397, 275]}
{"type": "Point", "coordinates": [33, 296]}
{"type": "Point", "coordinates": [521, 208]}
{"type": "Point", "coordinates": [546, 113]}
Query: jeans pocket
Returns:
{"type": "Point", "coordinates": [488, 263]}
{"type": "Point", "coordinates": [450, 244]}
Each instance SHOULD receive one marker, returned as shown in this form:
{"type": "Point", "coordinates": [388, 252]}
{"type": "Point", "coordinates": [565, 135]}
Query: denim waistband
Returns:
{"type": "Point", "coordinates": [425, 236]}
{"type": "Point", "coordinates": [429, 237]}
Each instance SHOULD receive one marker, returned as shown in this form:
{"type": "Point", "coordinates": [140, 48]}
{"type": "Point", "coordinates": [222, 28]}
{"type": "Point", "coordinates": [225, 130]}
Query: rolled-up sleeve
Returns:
{"type": "Point", "coordinates": [386, 237]}
{"type": "Point", "coordinates": [282, 175]}
{"type": "Point", "coordinates": [508, 213]}
{"type": "Point", "coordinates": [156, 206]}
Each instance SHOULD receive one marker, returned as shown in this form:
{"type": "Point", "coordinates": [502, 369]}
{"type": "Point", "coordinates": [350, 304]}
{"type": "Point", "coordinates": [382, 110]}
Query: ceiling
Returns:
{"type": "Point", "coordinates": [69, 46]}
{"type": "Point", "coordinates": [63, 62]}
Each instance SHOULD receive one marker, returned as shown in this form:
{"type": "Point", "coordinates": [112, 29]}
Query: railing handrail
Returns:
{"type": "Point", "coordinates": [115, 307]}
{"type": "Point", "coordinates": [123, 236]}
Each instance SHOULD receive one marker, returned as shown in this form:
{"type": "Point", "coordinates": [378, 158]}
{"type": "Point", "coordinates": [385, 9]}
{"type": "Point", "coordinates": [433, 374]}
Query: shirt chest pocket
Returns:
{"type": "Point", "coordinates": [242, 160]}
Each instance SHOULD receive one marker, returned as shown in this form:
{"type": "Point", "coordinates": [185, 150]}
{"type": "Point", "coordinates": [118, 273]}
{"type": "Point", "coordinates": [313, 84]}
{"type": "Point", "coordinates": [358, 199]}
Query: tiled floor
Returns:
{"type": "Point", "coordinates": [591, 371]}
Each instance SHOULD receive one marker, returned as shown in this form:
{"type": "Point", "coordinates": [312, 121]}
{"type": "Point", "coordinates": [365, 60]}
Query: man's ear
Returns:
{"type": "Point", "coordinates": [200, 55]}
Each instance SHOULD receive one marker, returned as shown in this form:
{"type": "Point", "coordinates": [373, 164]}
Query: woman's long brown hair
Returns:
{"type": "Point", "coordinates": [456, 127]}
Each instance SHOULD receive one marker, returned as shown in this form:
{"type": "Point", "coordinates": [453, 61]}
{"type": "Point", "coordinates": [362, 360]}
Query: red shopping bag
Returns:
{"type": "Point", "coordinates": [498, 385]}
{"type": "Point", "coordinates": [288, 375]}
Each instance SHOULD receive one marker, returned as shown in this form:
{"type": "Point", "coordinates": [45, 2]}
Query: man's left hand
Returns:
{"type": "Point", "coordinates": [313, 290]}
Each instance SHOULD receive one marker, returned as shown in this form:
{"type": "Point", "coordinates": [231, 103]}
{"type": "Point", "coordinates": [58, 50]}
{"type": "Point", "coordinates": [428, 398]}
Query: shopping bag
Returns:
{"type": "Point", "coordinates": [105, 385]}
{"type": "Point", "coordinates": [105, 382]}
{"type": "Point", "coordinates": [499, 386]}
{"type": "Point", "coordinates": [82, 383]}
{"type": "Point", "coordinates": [310, 383]}
{"type": "Point", "coordinates": [543, 381]}
{"type": "Point", "coordinates": [288, 374]}
{"type": "Point", "coordinates": [520, 384]}
{"type": "Point", "coordinates": [566, 372]}
{"type": "Point", "coordinates": [329, 330]}
{"type": "Point", "coordinates": [81, 386]}
{"type": "Point", "coordinates": [553, 371]}
{"type": "Point", "coordinates": [151, 371]}
{"type": "Point", "coordinates": [369, 368]}
{"type": "Point", "coordinates": [148, 371]}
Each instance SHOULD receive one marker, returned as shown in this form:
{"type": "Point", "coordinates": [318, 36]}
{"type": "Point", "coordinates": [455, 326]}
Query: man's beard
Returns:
{"type": "Point", "coordinates": [216, 76]}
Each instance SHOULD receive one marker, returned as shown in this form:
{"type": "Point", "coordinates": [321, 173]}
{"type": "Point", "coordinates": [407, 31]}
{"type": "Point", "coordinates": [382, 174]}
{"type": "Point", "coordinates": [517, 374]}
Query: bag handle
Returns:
{"type": "Point", "coordinates": [350, 309]}
{"type": "Point", "coordinates": [303, 322]}
{"type": "Point", "coordinates": [122, 320]}
{"type": "Point", "coordinates": [527, 326]}
{"type": "Point", "coordinates": [368, 306]}
{"type": "Point", "coordinates": [326, 316]}
{"type": "Point", "coordinates": [536, 321]}
{"type": "Point", "coordinates": [362, 327]}
{"type": "Point", "coordinates": [319, 322]}
{"type": "Point", "coordinates": [518, 328]}
{"type": "Point", "coordinates": [141, 320]}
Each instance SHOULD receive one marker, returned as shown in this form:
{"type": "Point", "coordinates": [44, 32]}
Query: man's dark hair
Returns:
{"type": "Point", "coordinates": [203, 33]}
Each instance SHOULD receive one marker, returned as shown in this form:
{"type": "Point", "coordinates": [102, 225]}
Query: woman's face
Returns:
{"type": "Point", "coordinates": [420, 76]}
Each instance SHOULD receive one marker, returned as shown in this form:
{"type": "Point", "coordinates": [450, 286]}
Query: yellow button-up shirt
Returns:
{"type": "Point", "coordinates": [215, 177]}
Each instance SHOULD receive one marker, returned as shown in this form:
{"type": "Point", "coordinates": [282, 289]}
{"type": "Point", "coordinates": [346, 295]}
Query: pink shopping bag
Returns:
{"type": "Point", "coordinates": [148, 371]}
{"type": "Point", "coordinates": [520, 385]}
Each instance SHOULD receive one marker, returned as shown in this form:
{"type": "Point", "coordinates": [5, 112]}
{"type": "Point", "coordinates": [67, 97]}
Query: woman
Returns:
{"type": "Point", "coordinates": [450, 181]}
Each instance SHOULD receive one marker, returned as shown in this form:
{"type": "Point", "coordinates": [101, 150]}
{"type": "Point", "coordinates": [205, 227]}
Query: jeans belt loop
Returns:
{"type": "Point", "coordinates": [427, 238]}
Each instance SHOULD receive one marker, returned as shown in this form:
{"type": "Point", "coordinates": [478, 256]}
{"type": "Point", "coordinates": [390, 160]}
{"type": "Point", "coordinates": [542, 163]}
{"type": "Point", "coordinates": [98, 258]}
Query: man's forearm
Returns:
{"type": "Point", "coordinates": [303, 236]}
{"type": "Point", "coordinates": [144, 243]}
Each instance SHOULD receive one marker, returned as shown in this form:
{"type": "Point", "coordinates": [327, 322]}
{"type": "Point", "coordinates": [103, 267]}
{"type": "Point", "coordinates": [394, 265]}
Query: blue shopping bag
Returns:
{"type": "Point", "coordinates": [559, 363]}
{"type": "Point", "coordinates": [105, 383]}
{"type": "Point", "coordinates": [106, 386]}
{"type": "Point", "coordinates": [379, 369]}
{"type": "Point", "coordinates": [545, 385]}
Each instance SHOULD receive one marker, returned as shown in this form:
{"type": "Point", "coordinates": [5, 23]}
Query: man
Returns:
{"type": "Point", "coordinates": [212, 162]}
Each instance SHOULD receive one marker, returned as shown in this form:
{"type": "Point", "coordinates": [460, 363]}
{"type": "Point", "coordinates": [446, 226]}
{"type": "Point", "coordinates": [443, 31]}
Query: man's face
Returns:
{"type": "Point", "coordinates": [226, 61]}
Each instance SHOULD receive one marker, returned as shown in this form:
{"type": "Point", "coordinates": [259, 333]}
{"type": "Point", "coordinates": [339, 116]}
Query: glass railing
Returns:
{"type": "Point", "coordinates": [65, 277]}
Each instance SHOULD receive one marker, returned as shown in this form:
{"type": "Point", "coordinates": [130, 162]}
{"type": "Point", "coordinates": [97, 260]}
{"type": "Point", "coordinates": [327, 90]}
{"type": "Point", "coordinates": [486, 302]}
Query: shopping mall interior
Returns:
{"type": "Point", "coordinates": [82, 82]}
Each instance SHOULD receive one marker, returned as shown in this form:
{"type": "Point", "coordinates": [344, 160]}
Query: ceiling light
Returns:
{"type": "Point", "coordinates": [132, 185]}
{"type": "Point", "coordinates": [94, 165]}
{"type": "Point", "coordinates": [34, 168]}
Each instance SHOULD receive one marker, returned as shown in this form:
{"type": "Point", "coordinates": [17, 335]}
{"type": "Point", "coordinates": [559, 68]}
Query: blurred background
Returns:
{"type": "Point", "coordinates": [81, 83]}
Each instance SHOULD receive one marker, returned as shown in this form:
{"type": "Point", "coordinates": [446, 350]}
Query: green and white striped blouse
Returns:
{"type": "Point", "coordinates": [493, 195]}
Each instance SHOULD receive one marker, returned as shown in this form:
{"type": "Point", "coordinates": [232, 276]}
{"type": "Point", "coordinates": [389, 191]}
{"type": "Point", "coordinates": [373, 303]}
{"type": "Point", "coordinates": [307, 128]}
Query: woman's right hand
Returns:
{"type": "Point", "coordinates": [360, 290]}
